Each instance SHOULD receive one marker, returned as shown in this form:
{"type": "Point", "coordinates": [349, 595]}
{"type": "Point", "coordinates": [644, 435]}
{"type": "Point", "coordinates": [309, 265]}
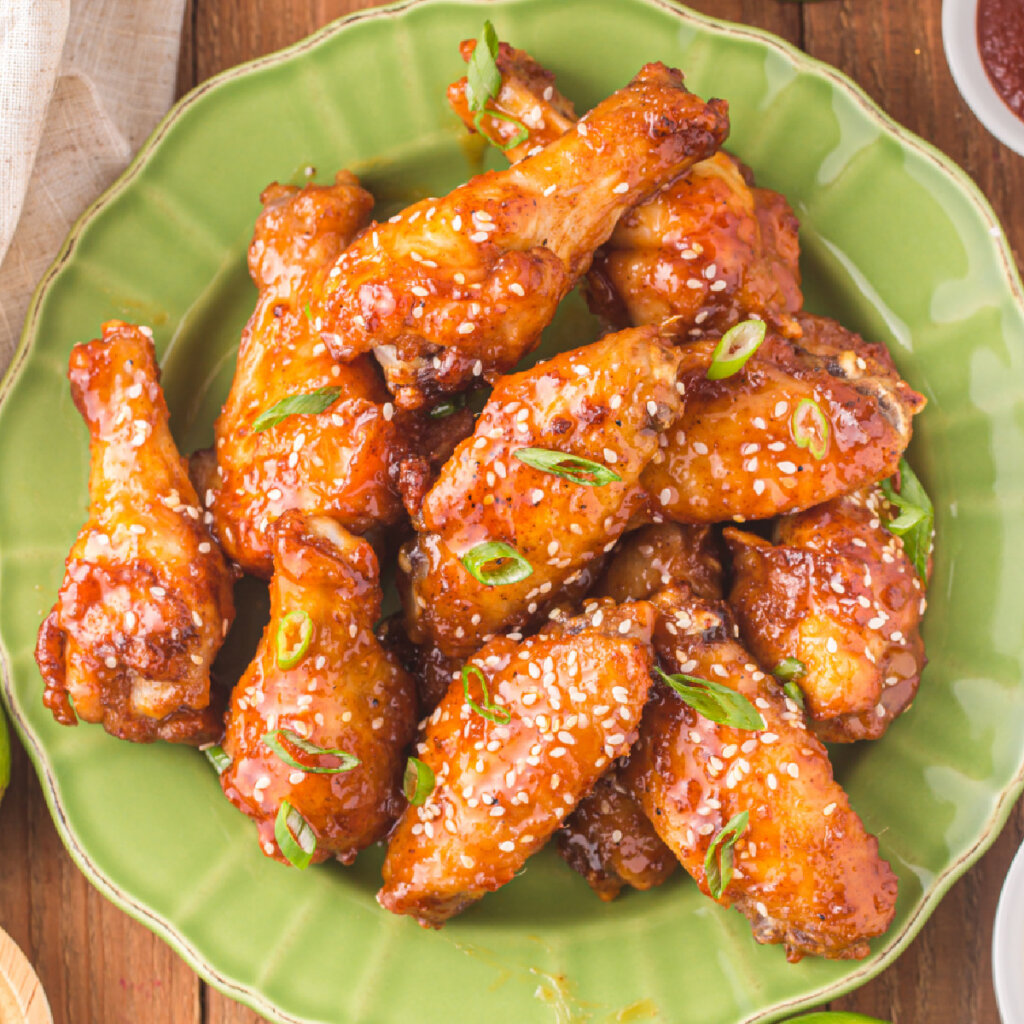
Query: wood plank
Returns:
{"type": "Point", "coordinates": [95, 963]}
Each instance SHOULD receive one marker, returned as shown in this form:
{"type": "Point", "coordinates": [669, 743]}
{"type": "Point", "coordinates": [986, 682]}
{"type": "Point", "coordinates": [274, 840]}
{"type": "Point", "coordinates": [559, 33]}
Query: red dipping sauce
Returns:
{"type": "Point", "coordinates": [1001, 43]}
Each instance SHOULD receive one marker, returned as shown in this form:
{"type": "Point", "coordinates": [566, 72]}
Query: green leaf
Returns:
{"type": "Point", "coordinates": [834, 1017]}
{"type": "Point", "coordinates": [483, 79]}
{"type": "Point", "coordinates": [719, 858]}
{"type": "Point", "coordinates": [311, 403]}
{"type": "Point", "coordinates": [714, 701]}
{"type": "Point", "coordinates": [916, 520]}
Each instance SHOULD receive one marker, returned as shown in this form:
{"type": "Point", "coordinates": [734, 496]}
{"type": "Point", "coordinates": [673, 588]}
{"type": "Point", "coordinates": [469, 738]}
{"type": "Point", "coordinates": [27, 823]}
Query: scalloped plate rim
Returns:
{"type": "Point", "coordinates": [801, 62]}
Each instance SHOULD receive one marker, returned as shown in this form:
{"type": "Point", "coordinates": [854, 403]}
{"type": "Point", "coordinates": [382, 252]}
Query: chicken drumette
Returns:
{"type": "Point", "coordinates": [519, 738]}
{"type": "Point", "coordinates": [807, 874]}
{"type": "Point", "coordinates": [341, 459]}
{"type": "Point", "coordinates": [710, 249]}
{"type": "Point", "coordinates": [459, 288]}
{"type": "Point", "coordinates": [320, 692]}
{"type": "Point", "coordinates": [800, 423]}
{"type": "Point", "coordinates": [555, 523]}
{"type": "Point", "coordinates": [146, 599]}
{"type": "Point", "coordinates": [837, 592]}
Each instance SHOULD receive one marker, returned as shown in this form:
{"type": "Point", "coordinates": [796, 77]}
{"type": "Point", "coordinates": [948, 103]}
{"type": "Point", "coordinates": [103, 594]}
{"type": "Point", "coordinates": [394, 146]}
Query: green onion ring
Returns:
{"type": "Point", "coordinates": [738, 344]}
{"type": "Point", "coordinates": [489, 710]}
{"type": "Point", "coordinates": [810, 428]}
{"type": "Point", "coordinates": [516, 569]}
{"type": "Point", "coordinates": [218, 757]}
{"type": "Point", "coordinates": [719, 858]}
{"type": "Point", "coordinates": [418, 781]}
{"type": "Point", "coordinates": [291, 652]}
{"type": "Point", "coordinates": [295, 837]}
{"type": "Point", "coordinates": [348, 761]}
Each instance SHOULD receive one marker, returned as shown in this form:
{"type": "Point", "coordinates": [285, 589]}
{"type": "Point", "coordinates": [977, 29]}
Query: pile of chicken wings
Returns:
{"type": "Point", "coordinates": [584, 653]}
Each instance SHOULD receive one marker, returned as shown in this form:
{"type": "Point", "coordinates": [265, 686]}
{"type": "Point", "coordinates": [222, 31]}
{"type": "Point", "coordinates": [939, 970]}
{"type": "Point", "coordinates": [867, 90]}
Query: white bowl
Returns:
{"type": "Point", "coordinates": [1008, 945]}
{"type": "Point", "coordinates": [960, 39]}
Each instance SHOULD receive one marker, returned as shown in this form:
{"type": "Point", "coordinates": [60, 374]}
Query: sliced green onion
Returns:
{"type": "Point", "coordinates": [308, 310]}
{"type": "Point", "coordinates": [418, 782]}
{"type": "Point", "coordinates": [916, 519]}
{"type": "Point", "coordinates": [312, 403]}
{"type": "Point", "coordinates": [789, 668]}
{"type": "Point", "coordinates": [294, 633]}
{"type": "Point", "coordinates": [714, 701]}
{"type": "Point", "coordinates": [573, 468]}
{"type": "Point", "coordinates": [513, 569]}
{"type": "Point", "coordinates": [517, 140]}
{"type": "Point", "coordinates": [483, 78]}
{"type": "Point", "coordinates": [810, 428]}
{"type": "Point", "coordinates": [738, 344]}
{"type": "Point", "coordinates": [489, 710]}
{"type": "Point", "coordinates": [271, 739]}
{"type": "Point", "coordinates": [794, 693]}
{"type": "Point", "coordinates": [439, 412]}
{"type": "Point", "coordinates": [295, 838]}
{"type": "Point", "coordinates": [718, 860]}
{"type": "Point", "coordinates": [218, 757]}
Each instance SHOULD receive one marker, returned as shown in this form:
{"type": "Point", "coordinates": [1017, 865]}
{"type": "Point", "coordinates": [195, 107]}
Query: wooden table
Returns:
{"type": "Point", "coordinates": [100, 967]}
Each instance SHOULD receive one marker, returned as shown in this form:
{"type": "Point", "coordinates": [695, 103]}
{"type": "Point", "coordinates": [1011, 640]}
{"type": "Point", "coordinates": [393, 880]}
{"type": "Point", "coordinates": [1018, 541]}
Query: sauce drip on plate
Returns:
{"type": "Point", "coordinates": [1001, 44]}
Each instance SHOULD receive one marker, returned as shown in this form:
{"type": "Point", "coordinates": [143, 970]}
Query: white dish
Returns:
{"type": "Point", "coordinates": [960, 40]}
{"type": "Point", "coordinates": [1008, 945]}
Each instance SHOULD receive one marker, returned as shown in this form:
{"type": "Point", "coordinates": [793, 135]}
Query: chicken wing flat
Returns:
{"type": "Point", "coordinates": [710, 249]}
{"type": "Point", "coordinates": [459, 288]}
{"type": "Point", "coordinates": [806, 872]}
{"type": "Point", "coordinates": [547, 715]}
{"type": "Point", "coordinates": [800, 423]}
{"type": "Point", "coordinates": [591, 403]}
{"type": "Point", "coordinates": [344, 460]}
{"type": "Point", "coordinates": [611, 842]}
{"type": "Point", "coordinates": [836, 592]}
{"type": "Point", "coordinates": [320, 687]}
{"type": "Point", "coordinates": [147, 596]}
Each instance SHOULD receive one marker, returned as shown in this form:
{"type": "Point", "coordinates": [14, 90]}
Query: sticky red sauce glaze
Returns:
{"type": "Point", "coordinates": [1001, 43]}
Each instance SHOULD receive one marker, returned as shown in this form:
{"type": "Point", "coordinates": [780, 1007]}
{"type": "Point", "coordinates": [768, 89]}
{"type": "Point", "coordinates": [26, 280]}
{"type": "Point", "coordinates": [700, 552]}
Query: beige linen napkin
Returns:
{"type": "Point", "coordinates": [82, 83]}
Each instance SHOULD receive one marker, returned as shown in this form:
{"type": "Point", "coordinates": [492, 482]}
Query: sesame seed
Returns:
{"type": "Point", "coordinates": [517, 289]}
{"type": "Point", "coordinates": [507, 846]}
{"type": "Point", "coordinates": [110, 661]}
{"type": "Point", "coordinates": [827, 811]}
{"type": "Point", "coordinates": [621, 188]}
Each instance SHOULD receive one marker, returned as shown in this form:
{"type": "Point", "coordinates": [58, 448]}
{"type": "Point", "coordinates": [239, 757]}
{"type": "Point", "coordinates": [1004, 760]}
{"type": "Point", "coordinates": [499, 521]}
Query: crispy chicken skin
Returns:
{"type": "Point", "coordinates": [459, 288]}
{"type": "Point", "coordinates": [733, 454]}
{"type": "Point", "coordinates": [147, 596]}
{"type": "Point", "coordinates": [590, 402]}
{"type": "Point", "coordinates": [837, 592]}
{"type": "Point", "coordinates": [659, 555]}
{"type": "Point", "coordinates": [611, 842]}
{"type": "Point", "coordinates": [807, 874]}
{"type": "Point", "coordinates": [345, 693]}
{"type": "Point", "coordinates": [574, 693]}
{"type": "Point", "coordinates": [344, 462]}
{"type": "Point", "coordinates": [709, 249]}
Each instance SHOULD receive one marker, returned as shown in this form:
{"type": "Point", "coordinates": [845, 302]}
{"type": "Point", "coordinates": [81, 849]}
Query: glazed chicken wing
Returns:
{"type": "Point", "coordinates": [611, 842]}
{"type": "Point", "coordinates": [147, 596]}
{"type": "Point", "coordinates": [800, 423]}
{"type": "Point", "coordinates": [320, 678]}
{"type": "Point", "coordinates": [806, 872]}
{"type": "Point", "coordinates": [343, 461]}
{"type": "Point", "coordinates": [459, 288]}
{"type": "Point", "coordinates": [838, 593]}
{"type": "Point", "coordinates": [547, 715]}
{"type": "Point", "coordinates": [590, 403]}
{"type": "Point", "coordinates": [656, 556]}
{"type": "Point", "coordinates": [709, 249]}
{"type": "Point", "coordinates": [608, 839]}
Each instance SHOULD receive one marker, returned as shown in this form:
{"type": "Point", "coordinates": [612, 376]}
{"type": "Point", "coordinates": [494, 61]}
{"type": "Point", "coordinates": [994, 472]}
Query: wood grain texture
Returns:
{"type": "Point", "coordinates": [100, 967]}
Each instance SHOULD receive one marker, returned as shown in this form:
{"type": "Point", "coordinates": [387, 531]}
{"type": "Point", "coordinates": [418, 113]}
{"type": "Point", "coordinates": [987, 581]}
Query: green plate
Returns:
{"type": "Point", "coordinates": [897, 243]}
